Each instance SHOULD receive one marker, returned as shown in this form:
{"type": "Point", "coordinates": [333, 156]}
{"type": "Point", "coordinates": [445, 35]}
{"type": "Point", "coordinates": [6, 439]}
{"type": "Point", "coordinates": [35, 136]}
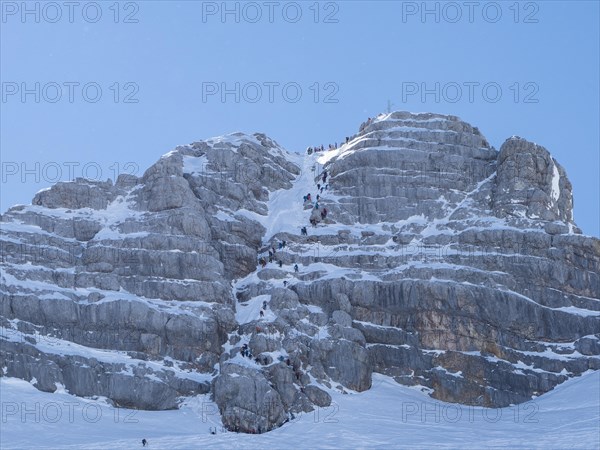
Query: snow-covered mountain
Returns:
{"type": "Point", "coordinates": [441, 263]}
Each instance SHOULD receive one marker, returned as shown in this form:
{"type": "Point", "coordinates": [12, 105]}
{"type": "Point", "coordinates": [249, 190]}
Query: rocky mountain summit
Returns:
{"type": "Point", "coordinates": [441, 262]}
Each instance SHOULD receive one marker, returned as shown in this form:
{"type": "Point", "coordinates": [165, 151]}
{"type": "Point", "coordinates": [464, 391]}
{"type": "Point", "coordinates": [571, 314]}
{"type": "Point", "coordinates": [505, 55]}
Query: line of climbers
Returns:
{"type": "Point", "coordinates": [311, 150]}
{"type": "Point", "coordinates": [317, 213]}
{"type": "Point", "coordinates": [264, 360]}
{"type": "Point", "coordinates": [272, 251]}
{"type": "Point", "coordinates": [314, 217]}
{"type": "Point", "coordinates": [245, 349]}
{"type": "Point", "coordinates": [321, 148]}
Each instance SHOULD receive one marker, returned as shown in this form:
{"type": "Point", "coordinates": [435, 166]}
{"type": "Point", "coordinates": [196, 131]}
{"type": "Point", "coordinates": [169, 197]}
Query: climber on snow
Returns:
{"type": "Point", "coordinates": [296, 268]}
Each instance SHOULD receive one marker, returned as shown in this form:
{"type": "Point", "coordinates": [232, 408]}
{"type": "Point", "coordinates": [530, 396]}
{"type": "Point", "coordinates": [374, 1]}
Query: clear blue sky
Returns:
{"type": "Point", "coordinates": [369, 55]}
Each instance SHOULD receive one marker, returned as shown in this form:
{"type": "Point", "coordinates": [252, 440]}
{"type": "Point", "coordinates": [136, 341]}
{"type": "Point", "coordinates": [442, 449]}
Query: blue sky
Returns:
{"type": "Point", "coordinates": [360, 54]}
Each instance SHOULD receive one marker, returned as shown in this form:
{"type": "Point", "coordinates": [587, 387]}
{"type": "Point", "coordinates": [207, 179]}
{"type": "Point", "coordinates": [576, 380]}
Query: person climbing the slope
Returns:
{"type": "Point", "coordinates": [280, 262]}
{"type": "Point", "coordinates": [296, 268]}
{"type": "Point", "coordinates": [303, 231]}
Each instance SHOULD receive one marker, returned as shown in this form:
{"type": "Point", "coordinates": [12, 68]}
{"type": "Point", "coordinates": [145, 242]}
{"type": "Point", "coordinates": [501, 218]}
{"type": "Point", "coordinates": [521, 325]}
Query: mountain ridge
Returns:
{"type": "Point", "coordinates": [439, 255]}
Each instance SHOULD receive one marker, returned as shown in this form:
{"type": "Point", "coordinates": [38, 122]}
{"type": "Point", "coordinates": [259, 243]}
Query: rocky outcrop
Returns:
{"type": "Point", "coordinates": [441, 262]}
{"type": "Point", "coordinates": [143, 267]}
{"type": "Point", "coordinates": [246, 400]}
{"type": "Point", "coordinates": [530, 182]}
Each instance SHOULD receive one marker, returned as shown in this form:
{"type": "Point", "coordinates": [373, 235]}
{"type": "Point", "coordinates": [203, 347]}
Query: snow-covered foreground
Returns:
{"type": "Point", "coordinates": [387, 416]}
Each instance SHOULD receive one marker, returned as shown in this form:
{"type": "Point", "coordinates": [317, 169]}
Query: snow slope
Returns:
{"type": "Point", "coordinates": [387, 416]}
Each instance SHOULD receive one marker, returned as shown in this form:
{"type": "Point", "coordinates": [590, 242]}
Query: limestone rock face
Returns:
{"type": "Point", "coordinates": [531, 183]}
{"type": "Point", "coordinates": [441, 262]}
{"type": "Point", "coordinates": [142, 268]}
{"type": "Point", "coordinates": [246, 400]}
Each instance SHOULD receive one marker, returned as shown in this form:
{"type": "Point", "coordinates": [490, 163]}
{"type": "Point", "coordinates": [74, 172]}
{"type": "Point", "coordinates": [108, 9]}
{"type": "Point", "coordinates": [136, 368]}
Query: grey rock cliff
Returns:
{"type": "Point", "coordinates": [441, 262]}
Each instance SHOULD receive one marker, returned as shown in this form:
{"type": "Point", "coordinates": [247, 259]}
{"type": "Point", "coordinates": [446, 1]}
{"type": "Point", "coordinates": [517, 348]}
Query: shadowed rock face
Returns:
{"type": "Point", "coordinates": [442, 263]}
